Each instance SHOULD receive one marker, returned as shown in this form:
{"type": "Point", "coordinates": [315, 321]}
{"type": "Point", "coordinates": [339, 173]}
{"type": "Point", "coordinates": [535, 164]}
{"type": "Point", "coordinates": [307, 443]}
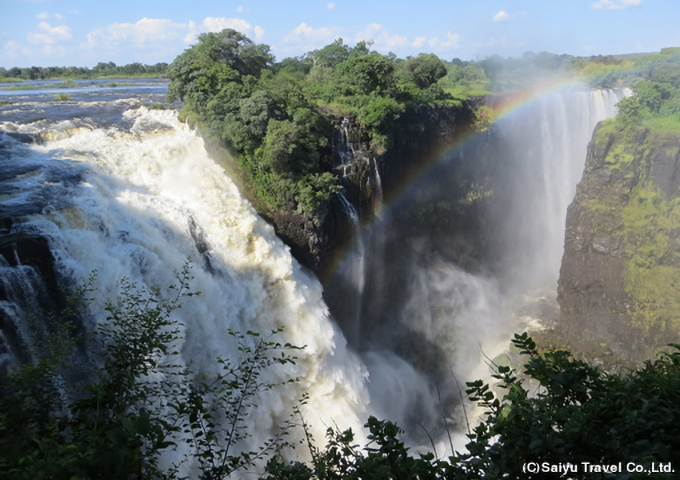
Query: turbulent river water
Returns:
{"type": "Point", "coordinates": [128, 191]}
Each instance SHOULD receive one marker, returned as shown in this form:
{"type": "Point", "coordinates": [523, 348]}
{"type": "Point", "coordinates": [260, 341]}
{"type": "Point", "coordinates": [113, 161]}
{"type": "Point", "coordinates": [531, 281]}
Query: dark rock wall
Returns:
{"type": "Point", "coordinates": [619, 286]}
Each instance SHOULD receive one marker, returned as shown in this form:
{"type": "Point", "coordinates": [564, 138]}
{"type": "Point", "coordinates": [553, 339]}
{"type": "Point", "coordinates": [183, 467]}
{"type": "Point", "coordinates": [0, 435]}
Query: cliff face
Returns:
{"type": "Point", "coordinates": [367, 175]}
{"type": "Point", "coordinates": [619, 286]}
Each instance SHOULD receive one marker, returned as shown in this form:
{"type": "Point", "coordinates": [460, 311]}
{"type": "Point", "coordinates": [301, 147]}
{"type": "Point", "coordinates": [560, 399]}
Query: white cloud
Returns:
{"type": "Point", "coordinates": [259, 33]}
{"type": "Point", "coordinates": [615, 4]}
{"type": "Point", "coordinates": [305, 38]}
{"type": "Point", "coordinates": [504, 16]}
{"type": "Point", "coordinates": [381, 38]}
{"type": "Point", "coordinates": [46, 16]}
{"type": "Point", "coordinates": [10, 49]}
{"type": "Point", "coordinates": [217, 24]}
{"type": "Point", "coordinates": [419, 41]}
{"type": "Point", "coordinates": [310, 34]}
{"type": "Point", "coordinates": [164, 33]}
{"type": "Point", "coordinates": [49, 34]}
{"type": "Point", "coordinates": [501, 16]}
{"type": "Point", "coordinates": [330, 6]}
{"type": "Point", "coordinates": [452, 41]}
{"type": "Point", "coordinates": [140, 34]}
{"type": "Point", "coordinates": [239, 8]}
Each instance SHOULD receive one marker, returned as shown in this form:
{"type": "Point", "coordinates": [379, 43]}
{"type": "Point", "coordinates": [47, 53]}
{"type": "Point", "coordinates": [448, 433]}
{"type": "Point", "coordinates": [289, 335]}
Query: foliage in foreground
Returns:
{"type": "Point", "coordinates": [133, 403]}
{"type": "Point", "coordinates": [558, 411]}
{"type": "Point", "coordinates": [112, 414]}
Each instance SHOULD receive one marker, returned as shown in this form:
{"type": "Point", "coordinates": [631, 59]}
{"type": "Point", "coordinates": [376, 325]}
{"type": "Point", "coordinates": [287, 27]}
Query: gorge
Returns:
{"type": "Point", "coordinates": [432, 253]}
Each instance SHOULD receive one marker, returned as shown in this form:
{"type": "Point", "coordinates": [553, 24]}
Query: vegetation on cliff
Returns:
{"type": "Point", "coordinates": [628, 205]}
{"type": "Point", "coordinates": [276, 117]}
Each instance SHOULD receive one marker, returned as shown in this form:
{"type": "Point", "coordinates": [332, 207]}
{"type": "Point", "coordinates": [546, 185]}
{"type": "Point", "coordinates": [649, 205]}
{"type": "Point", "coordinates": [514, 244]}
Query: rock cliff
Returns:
{"type": "Point", "coordinates": [367, 174]}
{"type": "Point", "coordinates": [619, 286]}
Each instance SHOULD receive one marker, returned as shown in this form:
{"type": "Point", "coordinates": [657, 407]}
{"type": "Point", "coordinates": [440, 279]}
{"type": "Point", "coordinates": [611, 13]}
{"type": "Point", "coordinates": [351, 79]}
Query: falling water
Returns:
{"type": "Point", "coordinates": [434, 314]}
{"type": "Point", "coordinates": [135, 200]}
{"type": "Point", "coordinates": [353, 274]}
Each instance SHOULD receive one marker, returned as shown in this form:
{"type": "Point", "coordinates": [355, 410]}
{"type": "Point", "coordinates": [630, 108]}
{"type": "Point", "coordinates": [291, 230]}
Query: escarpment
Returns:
{"type": "Point", "coordinates": [619, 287]}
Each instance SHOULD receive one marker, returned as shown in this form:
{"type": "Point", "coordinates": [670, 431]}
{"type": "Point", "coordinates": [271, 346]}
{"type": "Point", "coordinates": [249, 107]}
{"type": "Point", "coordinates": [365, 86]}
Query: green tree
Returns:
{"type": "Point", "coordinates": [425, 70]}
{"type": "Point", "coordinates": [330, 55]}
{"type": "Point", "coordinates": [373, 73]}
{"type": "Point", "coordinates": [218, 58]}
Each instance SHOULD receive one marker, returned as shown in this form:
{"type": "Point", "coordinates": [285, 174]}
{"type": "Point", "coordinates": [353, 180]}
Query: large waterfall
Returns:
{"type": "Point", "coordinates": [449, 293]}
{"type": "Point", "coordinates": [136, 195]}
{"type": "Point", "coordinates": [135, 200]}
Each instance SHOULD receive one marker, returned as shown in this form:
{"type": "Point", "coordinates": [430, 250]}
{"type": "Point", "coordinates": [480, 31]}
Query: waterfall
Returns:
{"type": "Point", "coordinates": [426, 307]}
{"type": "Point", "coordinates": [135, 200]}
{"type": "Point", "coordinates": [353, 275]}
{"type": "Point", "coordinates": [377, 190]}
{"type": "Point", "coordinates": [540, 154]}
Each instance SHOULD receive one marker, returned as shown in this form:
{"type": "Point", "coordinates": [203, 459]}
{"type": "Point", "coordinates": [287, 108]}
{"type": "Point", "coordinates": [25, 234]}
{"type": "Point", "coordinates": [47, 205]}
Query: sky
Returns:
{"type": "Point", "coordinates": [83, 33]}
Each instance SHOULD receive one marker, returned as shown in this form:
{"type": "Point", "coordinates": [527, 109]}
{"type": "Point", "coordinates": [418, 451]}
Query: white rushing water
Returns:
{"type": "Point", "coordinates": [145, 198]}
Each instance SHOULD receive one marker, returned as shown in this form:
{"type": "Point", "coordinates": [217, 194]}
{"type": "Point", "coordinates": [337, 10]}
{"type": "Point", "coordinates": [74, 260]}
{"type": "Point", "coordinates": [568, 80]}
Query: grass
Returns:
{"type": "Point", "coordinates": [62, 97]}
{"type": "Point", "coordinates": [124, 84]}
{"type": "Point", "coordinates": [464, 92]}
{"type": "Point", "coordinates": [667, 124]}
{"type": "Point", "coordinates": [23, 87]}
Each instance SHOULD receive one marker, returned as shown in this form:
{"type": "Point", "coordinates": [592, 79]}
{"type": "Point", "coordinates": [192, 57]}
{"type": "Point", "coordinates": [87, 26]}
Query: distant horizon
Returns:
{"type": "Point", "coordinates": [81, 34]}
{"type": "Point", "coordinates": [276, 60]}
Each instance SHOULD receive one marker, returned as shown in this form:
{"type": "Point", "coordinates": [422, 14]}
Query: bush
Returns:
{"type": "Point", "coordinates": [132, 401]}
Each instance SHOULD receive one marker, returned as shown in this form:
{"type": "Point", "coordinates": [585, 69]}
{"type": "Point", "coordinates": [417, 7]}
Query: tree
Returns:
{"type": "Point", "coordinates": [218, 58]}
{"type": "Point", "coordinates": [578, 415]}
{"type": "Point", "coordinates": [372, 73]}
{"type": "Point", "coordinates": [331, 55]}
{"type": "Point", "coordinates": [425, 70]}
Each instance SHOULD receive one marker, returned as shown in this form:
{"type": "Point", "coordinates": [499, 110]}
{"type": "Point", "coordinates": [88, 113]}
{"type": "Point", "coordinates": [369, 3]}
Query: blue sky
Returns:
{"type": "Point", "coordinates": [63, 32]}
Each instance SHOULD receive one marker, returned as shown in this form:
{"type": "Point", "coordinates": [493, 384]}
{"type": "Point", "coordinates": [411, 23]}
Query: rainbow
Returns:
{"type": "Point", "coordinates": [500, 107]}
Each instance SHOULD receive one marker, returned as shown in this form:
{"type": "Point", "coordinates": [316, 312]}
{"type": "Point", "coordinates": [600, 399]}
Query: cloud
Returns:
{"type": "Point", "coordinates": [217, 24]}
{"type": "Point", "coordinates": [46, 16]}
{"type": "Point", "coordinates": [419, 41]}
{"type": "Point", "coordinates": [49, 35]}
{"type": "Point", "coordinates": [259, 33]}
{"type": "Point", "coordinates": [140, 34]}
{"type": "Point", "coordinates": [615, 4]}
{"type": "Point", "coordinates": [10, 49]}
{"type": "Point", "coordinates": [501, 16]}
{"type": "Point", "coordinates": [381, 38]}
{"type": "Point", "coordinates": [330, 6]}
{"type": "Point", "coordinates": [163, 32]}
{"type": "Point", "coordinates": [504, 16]}
{"type": "Point", "coordinates": [452, 41]}
{"type": "Point", "coordinates": [309, 35]}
